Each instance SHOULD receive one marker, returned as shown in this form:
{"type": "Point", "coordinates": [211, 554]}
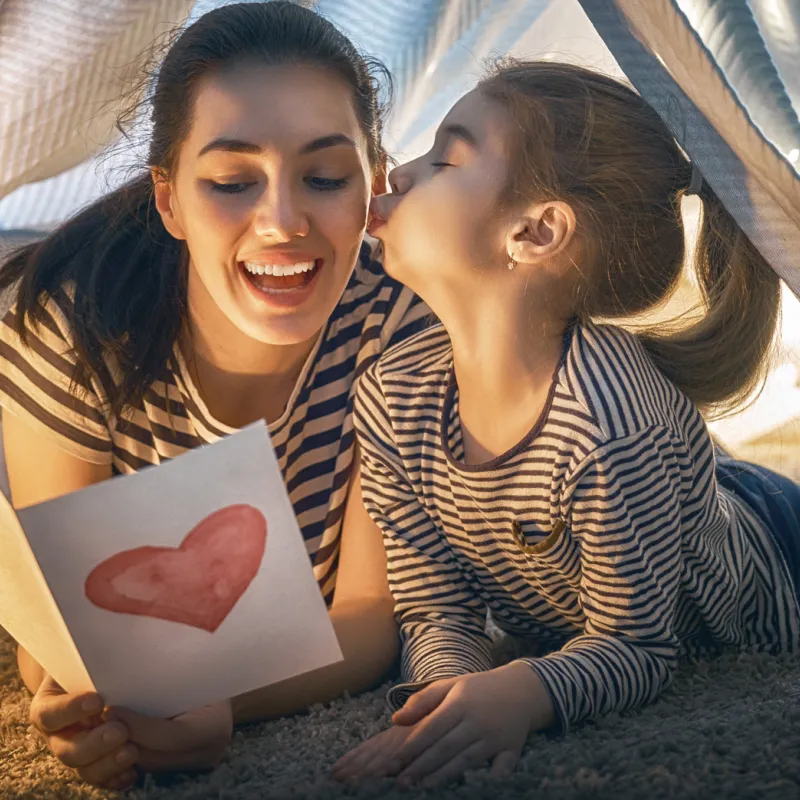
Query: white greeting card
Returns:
{"type": "Point", "coordinates": [169, 589]}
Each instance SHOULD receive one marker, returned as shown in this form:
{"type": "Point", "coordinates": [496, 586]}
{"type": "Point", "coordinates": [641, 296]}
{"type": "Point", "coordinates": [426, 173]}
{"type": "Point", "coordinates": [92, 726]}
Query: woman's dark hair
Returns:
{"type": "Point", "coordinates": [591, 141]}
{"type": "Point", "coordinates": [129, 276]}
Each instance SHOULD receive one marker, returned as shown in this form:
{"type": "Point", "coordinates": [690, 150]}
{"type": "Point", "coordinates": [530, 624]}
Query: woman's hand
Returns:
{"type": "Point", "coordinates": [77, 735]}
{"type": "Point", "coordinates": [454, 725]}
{"type": "Point", "coordinates": [195, 740]}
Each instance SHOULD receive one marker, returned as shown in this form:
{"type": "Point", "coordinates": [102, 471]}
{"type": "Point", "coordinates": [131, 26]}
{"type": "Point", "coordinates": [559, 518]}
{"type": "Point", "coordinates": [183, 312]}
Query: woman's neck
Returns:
{"type": "Point", "coordinates": [505, 355]}
{"type": "Point", "coordinates": [240, 379]}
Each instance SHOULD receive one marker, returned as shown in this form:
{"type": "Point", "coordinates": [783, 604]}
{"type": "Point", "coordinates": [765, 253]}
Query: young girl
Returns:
{"type": "Point", "coordinates": [227, 283]}
{"type": "Point", "coordinates": [556, 472]}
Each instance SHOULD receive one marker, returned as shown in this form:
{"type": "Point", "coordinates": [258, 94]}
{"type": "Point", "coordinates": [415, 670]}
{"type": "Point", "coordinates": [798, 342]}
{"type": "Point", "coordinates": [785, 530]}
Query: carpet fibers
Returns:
{"type": "Point", "coordinates": [728, 728]}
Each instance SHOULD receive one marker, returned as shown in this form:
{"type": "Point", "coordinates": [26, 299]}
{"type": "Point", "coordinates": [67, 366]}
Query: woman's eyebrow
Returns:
{"type": "Point", "coordinates": [240, 146]}
{"type": "Point", "coordinates": [332, 140]}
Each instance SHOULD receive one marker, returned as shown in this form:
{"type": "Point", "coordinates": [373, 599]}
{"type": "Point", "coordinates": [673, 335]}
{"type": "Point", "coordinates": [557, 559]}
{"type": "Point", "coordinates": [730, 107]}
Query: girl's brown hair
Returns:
{"type": "Point", "coordinates": [591, 141]}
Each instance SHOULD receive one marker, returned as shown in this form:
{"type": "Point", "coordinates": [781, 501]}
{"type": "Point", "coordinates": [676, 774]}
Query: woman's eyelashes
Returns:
{"type": "Point", "coordinates": [230, 188]}
{"type": "Point", "coordinates": [327, 184]}
{"type": "Point", "coordinates": [316, 183]}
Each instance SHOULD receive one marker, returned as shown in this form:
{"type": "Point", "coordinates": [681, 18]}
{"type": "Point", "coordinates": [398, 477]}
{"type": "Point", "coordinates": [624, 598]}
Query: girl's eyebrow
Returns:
{"type": "Point", "coordinates": [460, 132]}
{"type": "Point", "coordinates": [240, 146]}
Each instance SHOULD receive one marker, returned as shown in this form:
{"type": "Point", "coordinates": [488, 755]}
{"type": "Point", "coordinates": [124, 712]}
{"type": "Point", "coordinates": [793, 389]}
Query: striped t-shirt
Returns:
{"type": "Point", "coordinates": [313, 439]}
{"type": "Point", "coordinates": [602, 536]}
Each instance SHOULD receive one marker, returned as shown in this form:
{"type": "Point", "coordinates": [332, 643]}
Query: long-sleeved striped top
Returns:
{"type": "Point", "coordinates": [313, 439]}
{"type": "Point", "coordinates": [602, 535]}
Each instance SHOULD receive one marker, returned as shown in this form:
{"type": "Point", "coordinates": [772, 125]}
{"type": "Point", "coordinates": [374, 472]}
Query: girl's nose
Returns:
{"type": "Point", "coordinates": [280, 216]}
{"type": "Point", "coordinates": [400, 179]}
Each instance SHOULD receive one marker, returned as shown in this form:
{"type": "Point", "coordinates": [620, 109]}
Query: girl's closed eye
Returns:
{"type": "Point", "coordinates": [441, 164]}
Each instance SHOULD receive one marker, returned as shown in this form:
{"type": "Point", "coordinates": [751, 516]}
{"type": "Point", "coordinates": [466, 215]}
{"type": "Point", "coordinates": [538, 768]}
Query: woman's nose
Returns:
{"type": "Point", "coordinates": [280, 216]}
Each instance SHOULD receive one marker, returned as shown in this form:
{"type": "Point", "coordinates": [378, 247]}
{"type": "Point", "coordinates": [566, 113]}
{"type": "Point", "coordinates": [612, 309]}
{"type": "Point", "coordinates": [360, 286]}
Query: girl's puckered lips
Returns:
{"type": "Point", "coordinates": [377, 214]}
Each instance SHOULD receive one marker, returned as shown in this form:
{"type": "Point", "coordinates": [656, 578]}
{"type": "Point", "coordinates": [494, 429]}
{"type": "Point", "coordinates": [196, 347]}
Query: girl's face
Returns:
{"type": "Point", "coordinates": [440, 227]}
{"type": "Point", "coordinates": [270, 193]}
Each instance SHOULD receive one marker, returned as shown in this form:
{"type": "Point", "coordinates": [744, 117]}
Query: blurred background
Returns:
{"type": "Point", "coordinates": [58, 100]}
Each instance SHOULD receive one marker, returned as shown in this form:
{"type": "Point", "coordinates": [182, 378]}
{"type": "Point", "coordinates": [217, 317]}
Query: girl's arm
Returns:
{"type": "Point", "coordinates": [362, 615]}
{"type": "Point", "coordinates": [626, 512]}
{"type": "Point", "coordinates": [442, 618]}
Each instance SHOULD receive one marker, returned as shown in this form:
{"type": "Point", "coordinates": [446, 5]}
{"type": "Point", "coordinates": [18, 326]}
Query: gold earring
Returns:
{"type": "Point", "coordinates": [511, 263]}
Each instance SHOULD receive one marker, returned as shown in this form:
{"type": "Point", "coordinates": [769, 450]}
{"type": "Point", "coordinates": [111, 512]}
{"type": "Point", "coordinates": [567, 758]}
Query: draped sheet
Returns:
{"type": "Point", "coordinates": [63, 64]}
{"type": "Point", "coordinates": [723, 74]}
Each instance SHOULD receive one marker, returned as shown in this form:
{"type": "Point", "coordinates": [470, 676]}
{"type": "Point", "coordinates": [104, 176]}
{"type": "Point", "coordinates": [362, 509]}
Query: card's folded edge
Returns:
{"type": "Point", "coordinates": [28, 610]}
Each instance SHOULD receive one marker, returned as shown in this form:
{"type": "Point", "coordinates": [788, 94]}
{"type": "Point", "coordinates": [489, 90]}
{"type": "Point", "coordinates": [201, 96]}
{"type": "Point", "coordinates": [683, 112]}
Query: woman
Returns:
{"type": "Point", "coordinates": [229, 284]}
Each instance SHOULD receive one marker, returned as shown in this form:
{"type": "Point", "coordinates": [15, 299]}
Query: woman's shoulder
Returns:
{"type": "Point", "coordinates": [389, 311]}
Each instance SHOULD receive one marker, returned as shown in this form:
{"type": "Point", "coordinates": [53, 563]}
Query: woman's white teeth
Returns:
{"type": "Point", "coordinates": [278, 269]}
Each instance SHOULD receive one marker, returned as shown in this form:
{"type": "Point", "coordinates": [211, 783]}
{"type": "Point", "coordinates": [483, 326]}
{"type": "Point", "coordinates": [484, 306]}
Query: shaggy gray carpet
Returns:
{"type": "Point", "coordinates": [728, 728]}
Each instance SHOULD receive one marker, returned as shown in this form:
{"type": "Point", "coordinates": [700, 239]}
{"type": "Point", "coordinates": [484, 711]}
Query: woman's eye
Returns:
{"type": "Point", "coordinates": [230, 188]}
{"type": "Point", "coordinates": [326, 184]}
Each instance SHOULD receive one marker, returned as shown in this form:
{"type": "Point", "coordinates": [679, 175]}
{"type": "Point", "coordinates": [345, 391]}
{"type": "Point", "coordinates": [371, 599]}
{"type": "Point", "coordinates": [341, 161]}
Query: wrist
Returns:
{"type": "Point", "coordinates": [534, 695]}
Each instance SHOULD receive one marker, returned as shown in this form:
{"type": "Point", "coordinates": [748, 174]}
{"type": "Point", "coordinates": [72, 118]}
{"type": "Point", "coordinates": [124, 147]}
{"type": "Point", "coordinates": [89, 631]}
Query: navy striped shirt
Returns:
{"type": "Point", "coordinates": [603, 535]}
{"type": "Point", "coordinates": [313, 439]}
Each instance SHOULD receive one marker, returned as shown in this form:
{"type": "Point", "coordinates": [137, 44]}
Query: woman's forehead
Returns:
{"type": "Point", "coordinates": [275, 107]}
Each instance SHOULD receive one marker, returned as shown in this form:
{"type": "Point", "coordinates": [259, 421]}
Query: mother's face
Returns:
{"type": "Point", "coordinates": [270, 192]}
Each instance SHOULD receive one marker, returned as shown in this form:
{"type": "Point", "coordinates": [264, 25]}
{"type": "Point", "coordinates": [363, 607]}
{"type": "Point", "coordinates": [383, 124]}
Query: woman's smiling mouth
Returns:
{"type": "Point", "coordinates": [288, 283]}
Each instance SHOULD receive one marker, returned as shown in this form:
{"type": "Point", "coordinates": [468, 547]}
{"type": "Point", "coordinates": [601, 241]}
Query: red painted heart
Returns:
{"type": "Point", "coordinates": [197, 583]}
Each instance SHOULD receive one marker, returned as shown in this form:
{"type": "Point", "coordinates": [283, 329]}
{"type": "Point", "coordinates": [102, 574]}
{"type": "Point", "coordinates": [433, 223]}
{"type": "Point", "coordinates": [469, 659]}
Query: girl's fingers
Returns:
{"type": "Point", "coordinates": [424, 736]}
{"type": "Point", "coordinates": [422, 703]}
{"type": "Point", "coordinates": [450, 746]}
{"type": "Point", "coordinates": [111, 766]}
{"type": "Point", "coordinates": [504, 763]}
{"type": "Point", "coordinates": [471, 758]}
{"type": "Point", "coordinates": [353, 765]}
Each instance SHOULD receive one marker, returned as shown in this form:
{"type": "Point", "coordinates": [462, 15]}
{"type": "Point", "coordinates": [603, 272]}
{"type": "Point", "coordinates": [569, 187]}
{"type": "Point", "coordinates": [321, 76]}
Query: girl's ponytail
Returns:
{"type": "Point", "coordinates": [591, 141]}
{"type": "Point", "coordinates": [720, 360]}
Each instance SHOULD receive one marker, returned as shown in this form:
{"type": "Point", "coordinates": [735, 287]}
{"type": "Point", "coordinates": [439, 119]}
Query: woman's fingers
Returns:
{"type": "Point", "coordinates": [122, 782]}
{"type": "Point", "coordinates": [109, 767]}
{"type": "Point", "coordinates": [422, 703]}
{"type": "Point", "coordinates": [449, 747]}
{"type": "Point", "coordinates": [190, 761]}
{"type": "Point", "coordinates": [204, 728]}
{"type": "Point", "coordinates": [83, 748]}
{"type": "Point", "coordinates": [53, 709]}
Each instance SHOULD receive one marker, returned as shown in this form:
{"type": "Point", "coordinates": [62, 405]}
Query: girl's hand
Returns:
{"type": "Point", "coordinates": [76, 734]}
{"type": "Point", "coordinates": [370, 759]}
{"type": "Point", "coordinates": [195, 740]}
{"type": "Point", "coordinates": [457, 724]}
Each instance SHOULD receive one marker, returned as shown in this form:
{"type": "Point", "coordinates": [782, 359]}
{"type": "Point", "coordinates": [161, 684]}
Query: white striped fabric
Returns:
{"type": "Point", "coordinates": [628, 551]}
{"type": "Point", "coordinates": [63, 69]}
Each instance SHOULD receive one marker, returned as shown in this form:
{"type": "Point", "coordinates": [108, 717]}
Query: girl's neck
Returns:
{"type": "Point", "coordinates": [240, 379]}
{"type": "Point", "coordinates": [505, 355]}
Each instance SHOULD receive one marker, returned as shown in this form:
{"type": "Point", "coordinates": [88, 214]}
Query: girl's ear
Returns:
{"type": "Point", "coordinates": [162, 191]}
{"type": "Point", "coordinates": [541, 233]}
